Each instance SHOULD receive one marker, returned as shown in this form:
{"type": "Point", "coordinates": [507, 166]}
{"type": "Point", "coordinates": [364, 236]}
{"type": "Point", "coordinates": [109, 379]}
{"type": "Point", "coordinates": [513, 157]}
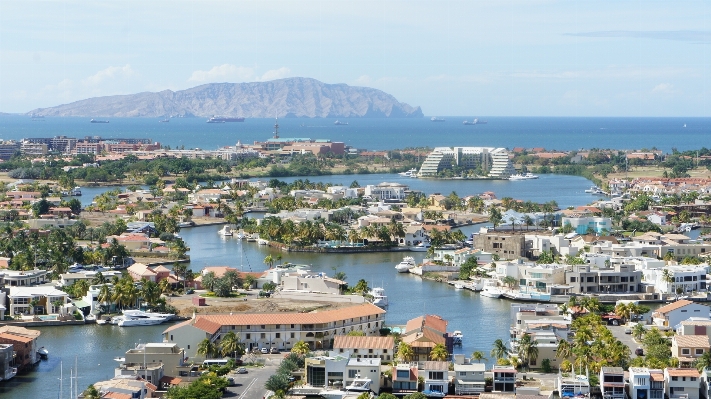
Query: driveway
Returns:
{"type": "Point", "coordinates": [251, 385]}
{"type": "Point", "coordinates": [627, 339]}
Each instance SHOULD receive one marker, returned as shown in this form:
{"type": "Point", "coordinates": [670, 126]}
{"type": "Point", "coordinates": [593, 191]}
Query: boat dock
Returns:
{"type": "Point", "coordinates": [471, 286]}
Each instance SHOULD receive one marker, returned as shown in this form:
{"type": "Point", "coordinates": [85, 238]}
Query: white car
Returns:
{"type": "Point", "coordinates": [265, 351]}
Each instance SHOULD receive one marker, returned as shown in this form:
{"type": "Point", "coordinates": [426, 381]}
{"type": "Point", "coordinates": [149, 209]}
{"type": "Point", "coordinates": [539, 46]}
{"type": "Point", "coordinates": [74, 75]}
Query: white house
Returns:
{"type": "Point", "coordinates": [674, 313]}
{"type": "Point", "coordinates": [384, 191]}
{"type": "Point", "coordinates": [581, 225]}
{"type": "Point", "coordinates": [646, 383]}
{"type": "Point", "coordinates": [47, 298]}
{"type": "Point", "coordinates": [682, 383]}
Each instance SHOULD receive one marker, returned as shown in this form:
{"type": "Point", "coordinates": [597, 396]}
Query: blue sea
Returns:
{"type": "Point", "coordinates": [385, 134]}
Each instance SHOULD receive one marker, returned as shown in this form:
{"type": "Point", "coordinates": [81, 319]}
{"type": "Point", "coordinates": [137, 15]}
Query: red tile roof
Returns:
{"type": "Point", "coordinates": [347, 341]}
{"type": "Point", "coordinates": [673, 306]}
{"type": "Point", "coordinates": [683, 372]}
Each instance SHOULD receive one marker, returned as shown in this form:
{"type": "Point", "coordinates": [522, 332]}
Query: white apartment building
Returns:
{"type": "Point", "coordinates": [645, 383]}
{"type": "Point", "coordinates": [386, 191]}
{"type": "Point", "coordinates": [49, 300]}
{"type": "Point", "coordinates": [682, 383]}
{"type": "Point", "coordinates": [581, 225]}
{"type": "Point", "coordinates": [687, 278]}
{"type": "Point", "coordinates": [493, 161]}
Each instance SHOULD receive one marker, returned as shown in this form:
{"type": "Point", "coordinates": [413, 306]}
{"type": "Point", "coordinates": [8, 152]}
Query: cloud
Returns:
{"type": "Point", "coordinates": [110, 73]}
{"type": "Point", "coordinates": [693, 36]}
{"type": "Point", "coordinates": [363, 80]}
{"type": "Point", "coordinates": [222, 72]}
{"type": "Point", "coordinates": [272, 74]}
{"type": "Point", "coordinates": [229, 72]}
{"type": "Point", "coordinates": [664, 88]}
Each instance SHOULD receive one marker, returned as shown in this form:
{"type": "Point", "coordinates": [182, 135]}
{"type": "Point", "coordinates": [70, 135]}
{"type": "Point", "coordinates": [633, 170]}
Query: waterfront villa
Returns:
{"type": "Point", "coordinates": [424, 333]}
{"type": "Point", "coordinates": [646, 383]}
{"type": "Point", "coordinates": [47, 300]}
{"type": "Point", "coordinates": [365, 346]}
{"type": "Point", "coordinates": [504, 379]}
{"type": "Point", "coordinates": [405, 377]}
{"type": "Point", "coordinates": [468, 377]}
{"type": "Point", "coordinates": [612, 382]}
{"type": "Point", "coordinates": [279, 330]}
{"type": "Point", "coordinates": [169, 356]}
{"type": "Point", "coordinates": [674, 313]}
{"type": "Point", "coordinates": [24, 342]}
{"type": "Point", "coordinates": [7, 366]}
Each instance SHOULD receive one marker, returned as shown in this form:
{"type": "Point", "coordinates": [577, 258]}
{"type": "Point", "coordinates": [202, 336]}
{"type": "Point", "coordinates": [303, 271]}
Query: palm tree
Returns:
{"type": "Point", "coordinates": [269, 260]}
{"type": "Point", "coordinates": [564, 350]}
{"type": "Point", "coordinates": [623, 311]}
{"type": "Point", "coordinates": [704, 361]}
{"type": "Point", "coordinates": [478, 356]}
{"type": "Point", "coordinates": [206, 348]}
{"type": "Point", "coordinates": [105, 295]}
{"type": "Point", "coordinates": [439, 353]}
{"type": "Point", "coordinates": [230, 344]}
{"type": "Point", "coordinates": [638, 331]}
{"type": "Point", "coordinates": [499, 350]}
{"type": "Point", "coordinates": [301, 348]}
{"type": "Point", "coordinates": [515, 361]}
{"type": "Point", "coordinates": [527, 349]}
{"type": "Point", "coordinates": [668, 278]}
{"type": "Point", "coordinates": [405, 352]}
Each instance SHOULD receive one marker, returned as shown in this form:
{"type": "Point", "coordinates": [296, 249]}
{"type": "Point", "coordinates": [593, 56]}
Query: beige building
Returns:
{"type": "Point", "coordinates": [277, 330]}
{"type": "Point", "coordinates": [506, 245]}
{"type": "Point", "coordinates": [688, 348]}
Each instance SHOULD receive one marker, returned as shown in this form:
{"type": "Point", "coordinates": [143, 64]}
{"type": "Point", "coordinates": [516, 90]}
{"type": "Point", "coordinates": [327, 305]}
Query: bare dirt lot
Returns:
{"type": "Point", "coordinates": [249, 303]}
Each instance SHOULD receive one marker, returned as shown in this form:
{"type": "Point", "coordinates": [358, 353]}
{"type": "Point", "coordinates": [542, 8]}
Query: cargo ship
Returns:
{"type": "Point", "coordinates": [222, 119]}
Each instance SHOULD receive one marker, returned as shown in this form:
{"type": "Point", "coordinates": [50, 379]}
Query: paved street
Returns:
{"type": "Point", "coordinates": [251, 385]}
{"type": "Point", "coordinates": [627, 339]}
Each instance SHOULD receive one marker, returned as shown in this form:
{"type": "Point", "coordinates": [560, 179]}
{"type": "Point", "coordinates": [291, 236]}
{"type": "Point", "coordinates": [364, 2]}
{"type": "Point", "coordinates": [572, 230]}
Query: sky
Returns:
{"type": "Point", "coordinates": [475, 57]}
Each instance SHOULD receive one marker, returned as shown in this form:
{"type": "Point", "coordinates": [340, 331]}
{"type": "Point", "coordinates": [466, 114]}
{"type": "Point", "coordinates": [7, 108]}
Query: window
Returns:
{"type": "Point", "coordinates": [436, 375]}
{"type": "Point", "coordinates": [403, 374]}
{"type": "Point", "coordinates": [675, 378]}
{"type": "Point", "coordinates": [572, 279]}
{"type": "Point", "coordinates": [685, 351]}
{"type": "Point", "coordinates": [353, 373]}
{"type": "Point", "coordinates": [292, 335]}
{"type": "Point", "coordinates": [262, 335]}
{"type": "Point", "coordinates": [591, 279]}
{"type": "Point", "coordinates": [263, 326]}
{"type": "Point", "coordinates": [462, 373]}
{"type": "Point", "coordinates": [278, 326]}
{"type": "Point", "coordinates": [370, 351]}
{"type": "Point", "coordinates": [692, 378]}
{"type": "Point", "coordinates": [278, 335]}
{"type": "Point", "coordinates": [292, 326]}
{"type": "Point", "coordinates": [248, 336]}
{"type": "Point", "coordinates": [699, 351]}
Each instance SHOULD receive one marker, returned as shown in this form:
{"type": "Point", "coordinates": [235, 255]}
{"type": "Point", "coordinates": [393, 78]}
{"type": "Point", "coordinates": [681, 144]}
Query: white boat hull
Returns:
{"type": "Point", "coordinates": [403, 269]}
{"type": "Point", "coordinates": [491, 293]}
{"type": "Point", "coordinates": [132, 322]}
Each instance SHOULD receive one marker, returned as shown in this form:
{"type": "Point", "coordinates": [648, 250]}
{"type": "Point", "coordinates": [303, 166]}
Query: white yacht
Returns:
{"type": "Point", "coordinates": [358, 386]}
{"type": "Point", "coordinates": [379, 297]}
{"type": "Point", "coordinates": [261, 241]}
{"type": "Point", "coordinates": [407, 263]}
{"type": "Point", "coordinates": [527, 176]}
{"type": "Point", "coordinates": [75, 192]}
{"type": "Point", "coordinates": [410, 173]}
{"type": "Point", "coordinates": [141, 313]}
{"type": "Point", "coordinates": [132, 321]}
{"type": "Point", "coordinates": [226, 231]}
{"type": "Point", "coordinates": [421, 247]}
{"type": "Point", "coordinates": [458, 286]}
{"type": "Point", "coordinates": [491, 290]}
{"type": "Point", "coordinates": [457, 337]}
{"type": "Point", "coordinates": [239, 236]}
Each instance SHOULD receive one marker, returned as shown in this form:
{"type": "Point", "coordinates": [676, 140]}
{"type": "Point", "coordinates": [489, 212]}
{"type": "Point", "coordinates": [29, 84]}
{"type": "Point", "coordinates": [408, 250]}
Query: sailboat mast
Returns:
{"type": "Point", "coordinates": [61, 379]}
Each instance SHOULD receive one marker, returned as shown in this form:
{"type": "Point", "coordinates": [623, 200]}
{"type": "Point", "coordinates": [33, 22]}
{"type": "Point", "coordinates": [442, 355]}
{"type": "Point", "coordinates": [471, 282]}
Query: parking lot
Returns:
{"type": "Point", "coordinates": [251, 384]}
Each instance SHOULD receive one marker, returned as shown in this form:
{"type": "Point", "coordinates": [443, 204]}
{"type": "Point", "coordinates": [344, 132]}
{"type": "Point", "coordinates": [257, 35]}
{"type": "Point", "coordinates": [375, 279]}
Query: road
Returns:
{"type": "Point", "coordinates": [627, 339]}
{"type": "Point", "coordinates": [251, 385]}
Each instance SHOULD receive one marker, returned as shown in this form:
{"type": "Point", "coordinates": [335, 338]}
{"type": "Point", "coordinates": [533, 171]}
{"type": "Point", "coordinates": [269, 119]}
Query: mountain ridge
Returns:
{"type": "Point", "coordinates": [290, 97]}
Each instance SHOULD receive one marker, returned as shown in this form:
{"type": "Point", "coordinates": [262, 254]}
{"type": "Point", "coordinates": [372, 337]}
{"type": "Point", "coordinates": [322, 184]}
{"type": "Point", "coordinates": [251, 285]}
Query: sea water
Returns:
{"type": "Point", "coordinates": [387, 134]}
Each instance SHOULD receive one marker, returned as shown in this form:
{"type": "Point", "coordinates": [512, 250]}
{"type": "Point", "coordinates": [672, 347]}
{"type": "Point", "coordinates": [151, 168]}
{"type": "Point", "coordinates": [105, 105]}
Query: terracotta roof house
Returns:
{"type": "Point", "coordinates": [278, 330]}
{"type": "Point", "coordinates": [365, 346]}
{"type": "Point", "coordinates": [424, 332]}
{"type": "Point", "coordinates": [674, 313]}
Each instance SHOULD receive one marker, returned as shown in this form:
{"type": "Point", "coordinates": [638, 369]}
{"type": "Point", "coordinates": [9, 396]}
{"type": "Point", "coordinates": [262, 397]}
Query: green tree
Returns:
{"type": "Point", "coordinates": [499, 349]}
{"type": "Point", "coordinates": [301, 348]}
{"type": "Point", "coordinates": [405, 352]}
{"type": "Point", "coordinates": [206, 348]}
{"type": "Point", "coordinates": [478, 356]}
{"type": "Point", "coordinates": [439, 353]}
{"type": "Point", "coordinates": [231, 345]}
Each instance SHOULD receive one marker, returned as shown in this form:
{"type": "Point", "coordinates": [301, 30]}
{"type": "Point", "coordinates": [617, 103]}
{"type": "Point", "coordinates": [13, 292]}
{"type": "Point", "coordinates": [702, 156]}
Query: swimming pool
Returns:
{"type": "Point", "coordinates": [48, 317]}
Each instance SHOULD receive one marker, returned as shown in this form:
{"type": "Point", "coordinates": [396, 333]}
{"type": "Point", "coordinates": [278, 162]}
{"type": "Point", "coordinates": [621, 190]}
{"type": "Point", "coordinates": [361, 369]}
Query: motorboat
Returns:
{"type": "Point", "coordinates": [359, 385]}
{"type": "Point", "coordinates": [492, 291]}
{"type": "Point", "coordinates": [527, 176]}
{"type": "Point", "coordinates": [75, 192]}
{"type": "Point", "coordinates": [141, 313]}
{"type": "Point", "coordinates": [185, 224]}
{"type": "Point", "coordinates": [43, 353]}
{"type": "Point", "coordinates": [433, 394]}
{"type": "Point", "coordinates": [100, 321]}
{"type": "Point", "coordinates": [379, 297]}
{"type": "Point", "coordinates": [239, 236]}
{"type": "Point", "coordinates": [226, 231]}
{"type": "Point", "coordinates": [457, 337]}
{"type": "Point", "coordinates": [132, 321]}
{"type": "Point", "coordinates": [356, 387]}
{"type": "Point", "coordinates": [339, 123]}
{"type": "Point", "coordinates": [410, 173]}
{"type": "Point", "coordinates": [261, 241]}
{"type": "Point", "coordinates": [436, 119]}
{"type": "Point", "coordinates": [458, 286]}
{"type": "Point", "coordinates": [407, 263]}
{"type": "Point", "coordinates": [421, 247]}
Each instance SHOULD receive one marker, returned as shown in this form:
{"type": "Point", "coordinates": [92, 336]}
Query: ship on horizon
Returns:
{"type": "Point", "coordinates": [436, 119]}
{"type": "Point", "coordinates": [98, 121]}
{"type": "Point", "coordinates": [339, 123]}
{"type": "Point", "coordinates": [475, 121]}
{"type": "Point", "coordinates": [223, 119]}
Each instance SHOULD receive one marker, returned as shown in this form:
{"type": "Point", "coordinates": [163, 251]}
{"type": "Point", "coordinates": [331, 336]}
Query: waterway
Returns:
{"type": "Point", "coordinates": [481, 319]}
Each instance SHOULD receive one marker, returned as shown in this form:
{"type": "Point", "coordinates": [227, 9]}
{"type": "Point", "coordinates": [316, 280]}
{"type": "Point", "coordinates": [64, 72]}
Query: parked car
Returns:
{"type": "Point", "coordinates": [265, 294]}
{"type": "Point", "coordinates": [628, 331]}
{"type": "Point", "coordinates": [230, 381]}
{"type": "Point", "coordinates": [265, 351]}
{"type": "Point", "coordinates": [273, 350]}
{"type": "Point", "coordinates": [189, 291]}
{"type": "Point", "coordinates": [639, 352]}
{"type": "Point", "coordinates": [241, 370]}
